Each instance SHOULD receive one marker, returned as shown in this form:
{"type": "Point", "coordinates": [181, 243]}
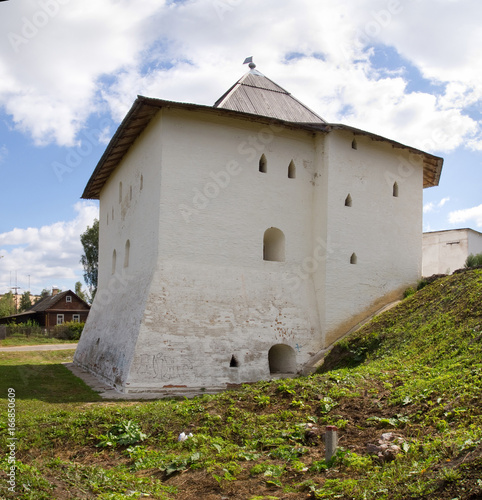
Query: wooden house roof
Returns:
{"type": "Point", "coordinates": [51, 301]}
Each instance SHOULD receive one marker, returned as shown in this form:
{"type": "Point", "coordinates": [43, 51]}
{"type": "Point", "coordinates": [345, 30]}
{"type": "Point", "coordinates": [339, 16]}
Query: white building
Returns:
{"type": "Point", "coordinates": [446, 251]}
{"type": "Point", "coordinates": [239, 240]}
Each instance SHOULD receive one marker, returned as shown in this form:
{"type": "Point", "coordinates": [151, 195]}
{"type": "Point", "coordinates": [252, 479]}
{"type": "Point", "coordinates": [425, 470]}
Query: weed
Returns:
{"type": "Point", "coordinates": [125, 433]}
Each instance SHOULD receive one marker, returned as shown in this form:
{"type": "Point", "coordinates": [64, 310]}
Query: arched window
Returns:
{"type": "Point", "coordinates": [120, 192]}
{"type": "Point", "coordinates": [114, 259]}
{"type": "Point", "coordinates": [348, 201]}
{"type": "Point", "coordinates": [354, 144]}
{"type": "Point", "coordinates": [126, 253]}
{"type": "Point", "coordinates": [395, 189]}
{"type": "Point", "coordinates": [282, 359]}
{"type": "Point", "coordinates": [291, 170]}
{"type": "Point", "coordinates": [353, 258]}
{"type": "Point", "coordinates": [274, 245]}
{"type": "Point", "coordinates": [263, 164]}
{"type": "Point", "coordinates": [234, 363]}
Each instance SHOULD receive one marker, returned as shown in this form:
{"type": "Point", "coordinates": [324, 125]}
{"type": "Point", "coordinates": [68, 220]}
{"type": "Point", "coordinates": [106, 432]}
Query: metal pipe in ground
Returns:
{"type": "Point", "coordinates": [331, 441]}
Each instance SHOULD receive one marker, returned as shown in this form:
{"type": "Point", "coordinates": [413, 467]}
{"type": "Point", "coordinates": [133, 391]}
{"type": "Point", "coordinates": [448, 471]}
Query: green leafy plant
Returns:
{"type": "Point", "coordinates": [125, 433]}
{"type": "Point", "coordinates": [262, 400]}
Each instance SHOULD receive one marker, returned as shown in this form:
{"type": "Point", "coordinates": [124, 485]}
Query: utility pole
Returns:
{"type": "Point", "coordinates": [16, 288]}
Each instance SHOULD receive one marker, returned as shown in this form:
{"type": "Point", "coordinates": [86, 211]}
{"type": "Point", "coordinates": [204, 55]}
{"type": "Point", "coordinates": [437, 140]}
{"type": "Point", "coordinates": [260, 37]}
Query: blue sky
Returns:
{"type": "Point", "coordinates": [70, 70]}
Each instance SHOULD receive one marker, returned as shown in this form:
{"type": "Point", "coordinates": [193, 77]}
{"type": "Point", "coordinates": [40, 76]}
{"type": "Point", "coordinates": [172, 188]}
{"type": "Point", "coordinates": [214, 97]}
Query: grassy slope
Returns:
{"type": "Point", "coordinates": [415, 370]}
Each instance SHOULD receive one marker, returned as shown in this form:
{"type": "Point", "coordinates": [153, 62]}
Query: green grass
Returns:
{"type": "Point", "coordinates": [20, 340]}
{"type": "Point", "coordinates": [415, 370]}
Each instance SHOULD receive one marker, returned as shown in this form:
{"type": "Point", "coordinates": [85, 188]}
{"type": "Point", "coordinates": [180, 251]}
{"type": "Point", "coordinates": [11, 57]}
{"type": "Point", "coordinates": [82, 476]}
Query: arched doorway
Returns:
{"type": "Point", "coordinates": [282, 359]}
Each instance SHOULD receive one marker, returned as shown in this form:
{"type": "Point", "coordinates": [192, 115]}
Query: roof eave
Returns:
{"type": "Point", "coordinates": [144, 109]}
{"type": "Point", "coordinates": [432, 165]}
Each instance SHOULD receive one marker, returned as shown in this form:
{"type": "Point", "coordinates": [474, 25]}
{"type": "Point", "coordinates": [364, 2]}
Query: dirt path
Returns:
{"type": "Point", "coordinates": [41, 347]}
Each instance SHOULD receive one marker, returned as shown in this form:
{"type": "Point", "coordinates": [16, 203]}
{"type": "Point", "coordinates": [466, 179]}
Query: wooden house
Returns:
{"type": "Point", "coordinates": [53, 310]}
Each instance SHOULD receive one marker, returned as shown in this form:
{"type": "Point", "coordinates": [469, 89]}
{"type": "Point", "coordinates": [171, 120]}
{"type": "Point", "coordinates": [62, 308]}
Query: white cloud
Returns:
{"type": "Point", "coordinates": [443, 201]}
{"type": "Point", "coordinates": [467, 215]}
{"type": "Point", "coordinates": [49, 254]}
{"type": "Point", "coordinates": [192, 51]}
{"type": "Point", "coordinates": [431, 206]}
{"type": "Point", "coordinates": [54, 56]}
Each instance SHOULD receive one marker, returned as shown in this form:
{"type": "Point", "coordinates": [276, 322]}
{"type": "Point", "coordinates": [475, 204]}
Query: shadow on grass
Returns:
{"type": "Point", "coordinates": [51, 383]}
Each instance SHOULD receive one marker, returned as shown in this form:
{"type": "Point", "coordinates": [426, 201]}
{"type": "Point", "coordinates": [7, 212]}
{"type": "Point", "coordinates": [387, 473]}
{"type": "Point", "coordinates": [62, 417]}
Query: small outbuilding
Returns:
{"type": "Point", "coordinates": [446, 251]}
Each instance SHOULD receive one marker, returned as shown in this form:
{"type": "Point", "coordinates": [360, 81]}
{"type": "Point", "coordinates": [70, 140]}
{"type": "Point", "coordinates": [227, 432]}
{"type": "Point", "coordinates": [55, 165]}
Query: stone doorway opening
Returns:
{"type": "Point", "coordinates": [282, 359]}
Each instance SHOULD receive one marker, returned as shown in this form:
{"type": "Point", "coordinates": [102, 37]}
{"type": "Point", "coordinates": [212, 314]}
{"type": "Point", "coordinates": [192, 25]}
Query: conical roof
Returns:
{"type": "Point", "coordinates": [256, 94]}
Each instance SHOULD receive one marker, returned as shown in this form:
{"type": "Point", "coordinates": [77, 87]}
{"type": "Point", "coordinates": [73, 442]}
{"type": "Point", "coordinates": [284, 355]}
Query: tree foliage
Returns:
{"type": "Point", "coordinates": [7, 305]}
{"type": "Point", "coordinates": [44, 293]}
{"type": "Point", "coordinates": [80, 293]}
{"type": "Point", "coordinates": [25, 302]}
{"type": "Point", "coordinates": [90, 259]}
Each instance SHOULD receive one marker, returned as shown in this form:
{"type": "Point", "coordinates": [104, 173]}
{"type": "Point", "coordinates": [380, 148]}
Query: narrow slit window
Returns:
{"type": "Point", "coordinates": [126, 253]}
{"type": "Point", "coordinates": [353, 258]}
{"type": "Point", "coordinates": [291, 170]}
{"type": "Point", "coordinates": [263, 164]}
{"type": "Point", "coordinates": [142, 182]}
{"type": "Point", "coordinates": [234, 362]}
{"type": "Point", "coordinates": [130, 193]}
{"type": "Point", "coordinates": [395, 190]}
{"type": "Point", "coordinates": [348, 201]}
{"type": "Point", "coordinates": [120, 192]}
{"type": "Point", "coordinates": [354, 144]}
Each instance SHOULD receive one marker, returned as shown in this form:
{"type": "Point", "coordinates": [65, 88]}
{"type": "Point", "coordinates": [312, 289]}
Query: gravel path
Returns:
{"type": "Point", "coordinates": [42, 347]}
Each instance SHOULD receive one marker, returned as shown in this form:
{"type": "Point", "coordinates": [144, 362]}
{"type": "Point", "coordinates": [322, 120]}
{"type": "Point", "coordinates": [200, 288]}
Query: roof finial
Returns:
{"type": "Point", "coordinates": [250, 61]}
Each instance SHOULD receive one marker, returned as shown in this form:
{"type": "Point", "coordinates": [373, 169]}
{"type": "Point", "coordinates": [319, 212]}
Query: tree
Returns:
{"type": "Point", "coordinates": [79, 292]}
{"type": "Point", "coordinates": [44, 293]}
{"type": "Point", "coordinates": [90, 259]}
{"type": "Point", "coordinates": [7, 305]}
{"type": "Point", "coordinates": [25, 302]}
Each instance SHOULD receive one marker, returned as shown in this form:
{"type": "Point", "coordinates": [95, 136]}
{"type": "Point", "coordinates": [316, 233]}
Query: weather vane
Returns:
{"type": "Point", "coordinates": [250, 61]}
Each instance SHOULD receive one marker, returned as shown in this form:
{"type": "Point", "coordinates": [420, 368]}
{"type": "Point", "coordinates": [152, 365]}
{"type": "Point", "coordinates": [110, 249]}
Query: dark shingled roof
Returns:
{"type": "Point", "coordinates": [49, 301]}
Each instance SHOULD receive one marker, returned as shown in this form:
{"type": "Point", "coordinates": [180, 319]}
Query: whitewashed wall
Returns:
{"type": "Point", "coordinates": [446, 251]}
{"type": "Point", "coordinates": [109, 339]}
{"type": "Point", "coordinates": [385, 232]}
{"type": "Point", "coordinates": [213, 296]}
